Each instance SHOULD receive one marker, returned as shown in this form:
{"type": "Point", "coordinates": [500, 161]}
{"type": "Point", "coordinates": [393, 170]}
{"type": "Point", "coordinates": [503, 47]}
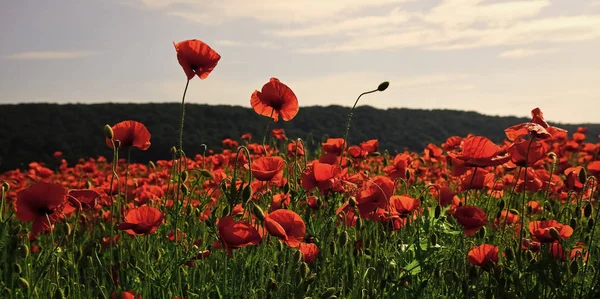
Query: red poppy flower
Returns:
{"type": "Point", "coordinates": [319, 175]}
{"type": "Point", "coordinates": [507, 218]}
{"type": "Point", "coordinates": [131, 294]}
{"type": "Point", "coordinates": [82, 198]}
{"type": "Point", "coordinates": [333, 146]}
{"type": "Point", "coordinates": [403, 205]}
{"type": "Point", "coordinates": [130, 133]}
{"type": "Point", "coordinates": [526, 153]}
{"type": "Point", "coordinates": [295, 148]}
{"type": "Point", "coordinates": [40, 203]}
{"type": "Point", "coordinates": [196, 58]}
{"type": "Point", "coordinates": [286, 225]}
{"type": "Point", "coordinates": [399, 166]}
{"type": "Point", "coordinates": [537, 127]}
{"type": "Point", "coordinates": [472, 219]}
{"type": "Point", "coordinates": [279, 134]}
{"type": "Point", "coordinates": [478, 151]}
{"type": "Point", "coordinates": [376, 193]}
{"type": "Point", "coordinates": [274, 99]}
{"type": "Point", "coordinates": [541, 231]}
{"type": "Point", "coordinates": [268, 168]}
{"type": "Point", "coordinates": [310, 251]}
{"type": "Point", "coordinates": [237, 234]}
{"type": "Point", "coordinates": [140, 221]}
{"type": "Point", "coordinates": [484, 256]}
{"type": "Point", "coordinates": [247, 136]}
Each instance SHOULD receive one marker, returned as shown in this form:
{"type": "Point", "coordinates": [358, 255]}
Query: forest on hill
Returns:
{"type": "Point", "coordinates": [33, 132]}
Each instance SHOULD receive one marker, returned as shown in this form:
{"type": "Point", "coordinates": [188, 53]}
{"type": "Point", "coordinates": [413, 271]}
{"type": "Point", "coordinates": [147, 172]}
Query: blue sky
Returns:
{"type": "Point", "coordinates": [494, 57]}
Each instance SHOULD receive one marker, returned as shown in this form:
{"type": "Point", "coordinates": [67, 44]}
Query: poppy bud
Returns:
{"type": "Point", "coordinates": [359, 223]}
{"type": "Point", "coordinates": [58, 294]}
{"type": "Point", "coordinates": [328, 292]}
{"type": "Point", "coordinates": [574, 267]}
{"type": "Point", "coordinates": [205, 173]}
{"type": "Point", "coordinates": [573, 223]}
{"type": "Point", "coordinates": [481, 233]}
{"type": "Point", "coordinates": [514, 211]}
{"type": "Point", "coordinates": [586, 239]}
{"type": "Point", "coordinates": [173, 151]}
{"type": "Point", "coordinates": [151, 165]}
{"type": "Point", "coordinates": [24, 250]}
{"type": "Point", "coordinates": [108, 132]}
{"type": "Point", "coordinates": [501, 204]}
{"type": "Point", "coordinates": [352, 202]}
{"type": "Point", "coordinates": [554, 233]}
{"type": "Point", "coordinates": [343, 238]}
{"type": "Point", "coordinates": [383, 86]}
{"type": "Point", "coordinates": [225, 212]}
{"type": "Point", "coordinates": [582, 175]}
{"type": "Point", "coordinates": [509, 253]}
{"type": "Point", "coordinates": [552, 156]}
{"type": "Point", "coordinates": [184, 190]}
{"type": "Point", "coordinates": [298, 256]}
{"type": "Point", "coordinates": [332, 248]}
{"type": "Point", "coordinates": [304, 270]}
{"type": "Point", "coordinates": [5, 187]}
{"type": "Point", "coordinates": [433, 239]}
{"type": "Point", "coordinates": [408, 175]}
{"type": "Point", "coordinates": [247, 193]}
{"type": "Point", "coordinates": [437, 212]}
{"type": "Point", "coordinates": [587, 210]}
{"type": "Point", "coordinates": [258, 212]}
{"type": "Point", "coordinates": [184, 176]}
{"type": "Point", "coordinates": [591, 224]}
{"type": "Point", "coordinates": [24, 283]}
{"type": "Point", "coordinates": [17, 268]}
{"type": "Point", "coordinates": [88, 185]}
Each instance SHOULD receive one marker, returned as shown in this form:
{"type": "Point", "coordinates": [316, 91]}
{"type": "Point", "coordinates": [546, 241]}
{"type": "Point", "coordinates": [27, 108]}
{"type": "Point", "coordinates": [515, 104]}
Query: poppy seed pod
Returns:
{"type": "Point", "coordinates": [383, 86]}
{"type": "Point", "coordinates": [108, 132]}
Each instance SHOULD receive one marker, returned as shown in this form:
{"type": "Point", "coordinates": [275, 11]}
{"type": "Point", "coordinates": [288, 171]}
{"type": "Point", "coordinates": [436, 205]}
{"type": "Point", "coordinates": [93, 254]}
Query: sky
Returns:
{"type": "Point", "coordinates": [490, 56]}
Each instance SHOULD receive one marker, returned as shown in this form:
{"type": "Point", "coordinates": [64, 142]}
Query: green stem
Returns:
{"type": "Point", "coordinates": [182, 117]}
{"type": "Point", "coordinates": [349, 119]}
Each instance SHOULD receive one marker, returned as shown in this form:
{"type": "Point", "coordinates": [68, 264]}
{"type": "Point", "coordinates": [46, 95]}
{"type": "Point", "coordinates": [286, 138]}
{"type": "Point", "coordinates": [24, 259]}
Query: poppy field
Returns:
{"type": "Point", "coordinates": [268, 217]}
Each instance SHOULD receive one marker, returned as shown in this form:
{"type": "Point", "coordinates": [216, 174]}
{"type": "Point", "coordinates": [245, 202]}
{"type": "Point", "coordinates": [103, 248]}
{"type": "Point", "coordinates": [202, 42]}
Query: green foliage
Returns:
{"type": "Point", "coordinates": [32, 132]}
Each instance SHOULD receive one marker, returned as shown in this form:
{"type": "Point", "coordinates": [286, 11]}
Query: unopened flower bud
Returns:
{"type": "Point", "coordinates": [258, 212]}
{"type": "Point", "coordinates": [554, 233]}
{"type": "Point", "coordinates": [5, 187]}
{"type": "Point", "coordinates": [587, 210]}
{"type": "Point", "coordinates": [184, 176]}
{"type": "Point", "coordinates": [383, 86]}
{"type": "Point", "coordinates": [582, 175]}
{"type": "Point", "coordinates": [352, 202]}
{"type": "Point", "coordinates": [574, 267]}
{"type": "Point", "coordinates": [343, 238]}
{"type": "Point", "coordinates": [108, 132]}
{"type": "Point", "coordinates": [437, 212]}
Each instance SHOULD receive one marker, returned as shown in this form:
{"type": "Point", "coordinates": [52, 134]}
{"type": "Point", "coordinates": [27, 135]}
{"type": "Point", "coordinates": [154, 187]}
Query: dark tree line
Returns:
{"type": "Point", "coordinates": [33, 132]}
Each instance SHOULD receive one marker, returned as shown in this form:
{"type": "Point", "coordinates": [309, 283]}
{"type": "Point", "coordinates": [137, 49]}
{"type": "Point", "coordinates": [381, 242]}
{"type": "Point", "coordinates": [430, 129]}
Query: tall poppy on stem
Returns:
{"type": "Point", "coordinates": [130, 133]}
{"type": "Point", "coordinates": [140, 221]}
{"type": "Point", "coordinates": [274, 99]}
{"type": "Point", "coordinates": [196, 58]}
{"type": "Point", "coordinates": [382, 86]}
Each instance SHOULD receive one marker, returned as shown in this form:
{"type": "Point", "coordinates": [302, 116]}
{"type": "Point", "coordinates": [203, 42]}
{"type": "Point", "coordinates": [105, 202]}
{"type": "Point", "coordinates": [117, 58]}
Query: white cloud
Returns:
{"type": "Point", "coordinates": [49, 55]}
{"type": "Point", "coordinates": [520, 53]}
